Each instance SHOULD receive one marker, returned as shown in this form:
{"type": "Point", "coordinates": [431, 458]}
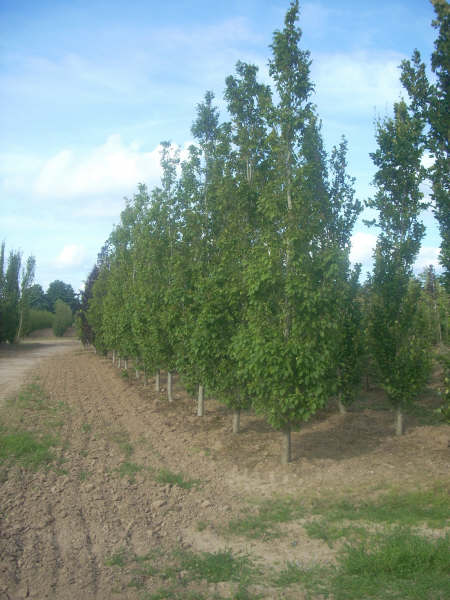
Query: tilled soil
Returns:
{"type": "Point", "coordinates": [60, 526]}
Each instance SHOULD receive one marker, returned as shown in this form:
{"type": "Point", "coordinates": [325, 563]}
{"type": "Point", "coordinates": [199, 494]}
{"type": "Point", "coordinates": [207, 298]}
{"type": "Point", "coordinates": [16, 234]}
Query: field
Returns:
{"type": "Point", "coordinates": [108, 491]}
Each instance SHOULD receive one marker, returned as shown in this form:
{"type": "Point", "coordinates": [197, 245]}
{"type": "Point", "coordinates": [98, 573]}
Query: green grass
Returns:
{"type": "Point", "coordinates": [118, 559]}
{"type": "Point", "coordinates": [216, 566]}
{"type": "Point", "coordinates": [264, 523]}
{"type": "Point", "coordinates": [26, 449]}
{"type": "Point", "coordinates": [129, 469]}
{"type": "Point", "coordinates": [399, 564]}
{"type": "Point", "coordinates": [415, 508]}
{"type": "Point", "coordinates": [86, 428]}
{"type": "Point", "coordinates": [122, 439]}
{"type": "Point", "coordinates": [166, 476]}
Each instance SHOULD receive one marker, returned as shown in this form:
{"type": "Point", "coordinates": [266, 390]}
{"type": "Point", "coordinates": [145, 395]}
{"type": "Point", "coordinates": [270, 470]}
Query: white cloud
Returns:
{"type": "Point", "coordinates": [428, 255]}
{"type": "Point", "coordinates": [357, 81]}
{"type": "Point", "coordinates": [72, 255]}
{"type": "Point", "coordinates": [363, 245]}
{"type": "Point", "coordinates": [113, 168]}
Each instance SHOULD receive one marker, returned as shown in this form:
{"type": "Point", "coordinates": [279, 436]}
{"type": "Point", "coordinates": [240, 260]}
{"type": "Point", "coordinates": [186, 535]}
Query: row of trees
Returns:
{"type": "Point", "coordinates": [235, 271]}
{"type": "Point", "coordinates": [15, 283]}
{"type": "Point", "coordinates": [24, 306]}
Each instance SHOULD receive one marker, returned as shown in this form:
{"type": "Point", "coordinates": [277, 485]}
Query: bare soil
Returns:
{"type": "Point", "coordinates": [58, 529]}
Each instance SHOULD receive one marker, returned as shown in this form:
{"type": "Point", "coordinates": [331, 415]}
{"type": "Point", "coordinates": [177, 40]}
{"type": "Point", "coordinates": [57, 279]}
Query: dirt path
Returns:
{"type": "Point", "coordinates": [17, 359]}
{"type": "Point", "coordinates": [58, 528]}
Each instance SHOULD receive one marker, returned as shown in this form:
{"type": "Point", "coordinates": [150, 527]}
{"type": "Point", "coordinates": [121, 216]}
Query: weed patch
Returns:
{"type": "Point", "coordinates": [166, 476]}
{"type": "Point", "coordinates": [24, 448]}
{"type": "Point", "coordinates": [264, 523]}
{"type": "Point", "coordinates": [399, 565]}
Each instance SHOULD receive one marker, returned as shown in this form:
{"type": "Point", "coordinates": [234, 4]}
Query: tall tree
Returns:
{"type": "Point", "coordinates": [285, 347]}
{"type": "Point", "coordinates": [398, 343]}
{"type": "Point", "coordinates": [431, 102]}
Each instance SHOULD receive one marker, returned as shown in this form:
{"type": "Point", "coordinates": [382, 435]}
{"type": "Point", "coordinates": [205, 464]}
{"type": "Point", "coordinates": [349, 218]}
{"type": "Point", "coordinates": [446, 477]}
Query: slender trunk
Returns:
{"type": "Point", "coordinates": [157, 381]}
{"type": "Point", "coordinates": [137, 374]}
{"type": "Point", "coordinates": [236, 420]}
{"type": "Point", "coordinates": [201, 401]}
{"type": "Point", "coordinates": [119, 362]}
{"type": "Point", "coordinates": [19, 331]}
{"type": "Point", "coordinates": [125, 364]}
{"type": "Point", "coordinates": [113, 357]}
{"type": "Point", "coordinates": [169, 386]}
{"type": "Point", "coordinates": [145, 377]}
{"type": "Point", "coordinates": [342, 408]}
{"type": "Point", "coordinates": [399, 426]}
{"type": "Point", "coordinates": [286, 454]}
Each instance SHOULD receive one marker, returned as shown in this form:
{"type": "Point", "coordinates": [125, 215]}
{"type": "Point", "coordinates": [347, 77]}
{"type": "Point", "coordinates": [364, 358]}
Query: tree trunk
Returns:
{"type": "Point", "coordinates": [236, 420]}
{"type": "Point", "coordinates": [114, 357]}
{"type": "Point", "coordinates": [157, 381]}
{"type": "Point", "coordinates": [119, 362]}
{"type": "Point", "coordinates": [201, 401]}
{"type": "Point", "coordinates": [125, 364]}
{"type": "Point", "coordinates": [399, 426]}
{"type": "Point", "coordinates": [145, 377]}
{"type": "Point", "coordinates": [341, 405]}
{"type": "Point", "coordinates": [286, 454]}
{"type": "Point", "coordinates": [169, 386]}
{"type": "Point", "coordinates": [137, 373]}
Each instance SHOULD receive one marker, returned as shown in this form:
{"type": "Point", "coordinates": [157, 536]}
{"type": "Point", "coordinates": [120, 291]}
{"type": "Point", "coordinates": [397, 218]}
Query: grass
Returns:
{"type": "Point", "coordinates": [26, 449]}
{"type": "Point", "coordinates": [129, 469]}
{"type": "Point", "coordinates": [169, 477]}
{"type": "Point", "coordinates": [264, 523]}
{"type": "Point", "coordinates": [26, 423]}
{"type": "Point", "coordinates": [399, 564]}
{"type": "Point", "coordinates": [122, 439]}
{"type": "Point", "coordinates": [216, 566]}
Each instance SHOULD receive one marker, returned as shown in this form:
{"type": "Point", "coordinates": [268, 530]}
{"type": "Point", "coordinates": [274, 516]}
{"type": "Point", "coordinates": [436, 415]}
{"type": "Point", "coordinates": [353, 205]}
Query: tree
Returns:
{"type": "Point", "coordinates": [58, 290]}
{"type": "Point", "coordinates": [9, 309]}
{"type": "Point", "coordinates": [431, 102]}
{"type": "Point", "coordinates": [24, 302]}
{"type": "Point", "coordinates": [397, 326]}
{"type": "Point", "coordinates": [84, 329]}
{"type": "Point", "coordinates": [37, 297]}
{"type": "Point", "coordinates": [63, 318]}
{"type": "Point", "coordinates": [286, 345]}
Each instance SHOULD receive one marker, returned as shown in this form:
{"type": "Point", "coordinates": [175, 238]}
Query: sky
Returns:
{"type": "Point", "coordinates": [89, 89]}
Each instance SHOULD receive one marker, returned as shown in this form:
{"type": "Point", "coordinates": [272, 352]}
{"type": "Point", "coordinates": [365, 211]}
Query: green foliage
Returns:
{"type": "Point", "coordinates": [40, 319]}
{"type": "Point", "coordinates": [222, 565]}
{"type": "Point", "coordinates": [397, 325]}
{"type": "Point", "coordinates": [63, 318]}
{"type": "Point", "coordinates": [444, 410]}
{"type": "Point", "coordinates": [58, 290]}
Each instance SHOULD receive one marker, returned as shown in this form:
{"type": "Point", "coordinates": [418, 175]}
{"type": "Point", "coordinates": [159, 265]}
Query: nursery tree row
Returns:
{"type": "Point", "coordinates": [235, 271]}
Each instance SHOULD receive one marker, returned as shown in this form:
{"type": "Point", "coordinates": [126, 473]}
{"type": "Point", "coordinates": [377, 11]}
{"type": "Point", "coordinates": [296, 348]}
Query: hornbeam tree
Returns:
{"type": "Point", "coordinates": [396, 327]}
{"type": "Point", "coordinates": [285, 347]}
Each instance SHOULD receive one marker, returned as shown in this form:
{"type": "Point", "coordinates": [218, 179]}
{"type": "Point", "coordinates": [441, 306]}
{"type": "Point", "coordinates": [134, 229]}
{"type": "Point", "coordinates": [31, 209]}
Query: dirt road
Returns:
{"type": "Point", "coordinates": [17, 359]}
{"type": "Point", "coordinates": [83, 530]}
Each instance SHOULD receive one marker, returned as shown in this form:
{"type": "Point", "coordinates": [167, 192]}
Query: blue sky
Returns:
{"type": "Point", "coordinates": [88, 89]}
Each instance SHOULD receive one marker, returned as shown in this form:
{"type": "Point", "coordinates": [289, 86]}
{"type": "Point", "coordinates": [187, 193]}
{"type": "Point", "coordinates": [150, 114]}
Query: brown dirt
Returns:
{"type": "Point", "coordinates": [57, 530]}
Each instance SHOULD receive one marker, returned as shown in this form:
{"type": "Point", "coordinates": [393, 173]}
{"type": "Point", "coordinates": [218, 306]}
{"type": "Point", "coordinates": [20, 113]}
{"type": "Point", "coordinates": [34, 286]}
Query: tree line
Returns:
{"type": "Point", "coordinates": [235, 271]}
{"type": "Point", "coordinates": [24, 306]}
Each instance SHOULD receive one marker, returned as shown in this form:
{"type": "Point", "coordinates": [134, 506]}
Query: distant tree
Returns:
{"type": "Point", "coordinates": [84, 329]}
{"type": "Point", "coordinates": [24, 301]}
{"type": "Point", "coordinates": [58, 290]}
{"type": "Point", "coordinates": [63, 318]}
{"type": "Point", "coordinates": [37, 297]}
{"type": "Point", "coordinates": [9, 307]}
